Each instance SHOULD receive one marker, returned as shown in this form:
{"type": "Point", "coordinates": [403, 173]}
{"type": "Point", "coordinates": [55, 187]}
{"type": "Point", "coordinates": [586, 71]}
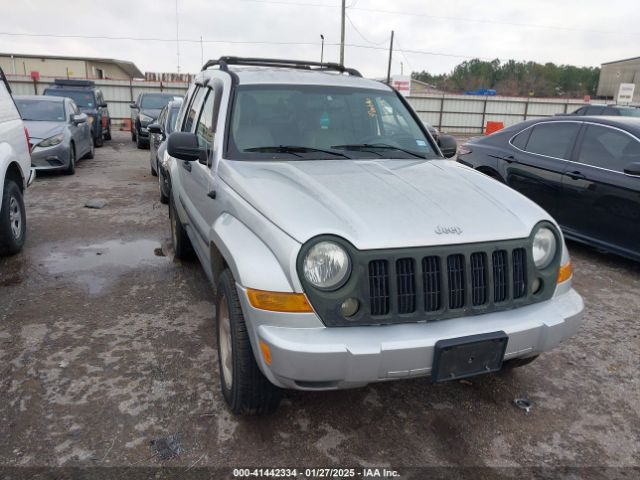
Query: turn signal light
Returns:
{"type": "Point", "coordinates": [266, 353]}
{"type": "Point", "coordinates": [279, 301]}
{"type": "Point", "coordinates": [565, 273]}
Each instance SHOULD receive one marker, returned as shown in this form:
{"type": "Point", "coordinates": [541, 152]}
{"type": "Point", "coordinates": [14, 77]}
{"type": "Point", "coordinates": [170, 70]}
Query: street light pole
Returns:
{"type": "Point", "coordinates": [342, 35]}
{"type": "Point", "coordinates": [322, 49]}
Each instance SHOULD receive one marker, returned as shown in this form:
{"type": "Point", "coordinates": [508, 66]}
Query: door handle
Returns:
{"type": "Point", "coordinates": [509, 158]}
{"type": "Point", "coordinates": [576, 175]}
{"type": "Point", "coordinates": [186, 165]}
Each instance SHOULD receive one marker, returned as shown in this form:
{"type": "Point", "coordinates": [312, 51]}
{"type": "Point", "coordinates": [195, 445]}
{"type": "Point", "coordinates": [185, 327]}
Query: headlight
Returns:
{"type": "Point", "coordinates": [145, 118]}
{"type": "Point", "coordinates": [544, 247]}
{"type": "Point", "coordinates": [51, 141]}
{"type": "Point", "coordinates": [90, 119]}
{"type": "Point", "coordinates": [326, 265]}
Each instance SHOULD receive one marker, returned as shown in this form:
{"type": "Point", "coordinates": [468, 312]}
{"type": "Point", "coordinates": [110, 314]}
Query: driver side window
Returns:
{"type": "Point", "coordinates": [205, 130]}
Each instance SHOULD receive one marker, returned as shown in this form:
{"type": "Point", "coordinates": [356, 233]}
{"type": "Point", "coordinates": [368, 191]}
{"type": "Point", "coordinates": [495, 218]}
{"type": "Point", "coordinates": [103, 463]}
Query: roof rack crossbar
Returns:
{"type": "Point", "coordinates": [223, 63]}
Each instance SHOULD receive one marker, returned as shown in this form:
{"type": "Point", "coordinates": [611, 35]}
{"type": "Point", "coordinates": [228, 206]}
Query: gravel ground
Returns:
{"type": "Point", "coordinates": [107, 348]}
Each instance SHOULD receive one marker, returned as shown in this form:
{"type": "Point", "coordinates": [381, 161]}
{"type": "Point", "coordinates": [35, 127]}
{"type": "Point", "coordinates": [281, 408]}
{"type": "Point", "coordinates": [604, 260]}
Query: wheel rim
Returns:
{"type": "Point", "coordinates": [15, 217]}
{"type": "Point", "coordinates": [224, 338]}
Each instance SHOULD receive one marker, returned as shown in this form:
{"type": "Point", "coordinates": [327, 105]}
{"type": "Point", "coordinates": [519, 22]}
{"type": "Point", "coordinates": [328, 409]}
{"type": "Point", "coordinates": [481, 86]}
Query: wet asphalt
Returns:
{"type": "Point", "coordinates": [107, 345]}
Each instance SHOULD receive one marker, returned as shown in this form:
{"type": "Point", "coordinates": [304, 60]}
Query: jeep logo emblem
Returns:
{"type": "Point", "coordinates": [440, 230]}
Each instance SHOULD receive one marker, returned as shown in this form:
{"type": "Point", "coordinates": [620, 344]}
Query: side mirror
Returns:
{"type": "Point", "coordinates": [79, 118]}
{"type": "Point", "coordinates": [133, 105]}
{"type": "Point", "coordinates": [448, 145]}
{"type": "Point", "coordinates": [184, 146]}
{"type": "Point", "coordinates": [632, 169]}
{"type": "Point", "coordinates": [154, 128]}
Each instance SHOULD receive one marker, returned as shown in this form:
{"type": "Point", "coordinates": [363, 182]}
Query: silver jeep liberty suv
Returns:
{"type": "Point", "coordinates": [343, 246]}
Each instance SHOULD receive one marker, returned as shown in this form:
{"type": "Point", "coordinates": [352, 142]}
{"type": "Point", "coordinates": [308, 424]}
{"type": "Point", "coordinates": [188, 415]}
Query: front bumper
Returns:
{"type": "Point", "coordinates": [50, 158]}
{"type": "Point", "coordinates": [344, 357]}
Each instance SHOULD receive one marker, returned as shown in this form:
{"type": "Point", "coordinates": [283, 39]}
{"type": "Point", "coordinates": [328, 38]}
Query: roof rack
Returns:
{"type": "Point", "coordinates": [224, 62]}
{"type": "Point", "coordinates": [74, 83]}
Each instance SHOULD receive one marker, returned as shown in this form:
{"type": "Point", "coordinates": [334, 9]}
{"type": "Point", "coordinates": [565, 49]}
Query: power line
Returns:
{"type": "Point", "coordinates": [362, 36]}
{"type": "Point", "coordinates": [451, 18]}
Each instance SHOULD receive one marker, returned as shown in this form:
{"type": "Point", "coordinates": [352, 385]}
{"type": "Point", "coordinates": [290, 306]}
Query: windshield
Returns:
{"type": "Point", "coordinates": [155, 101]}
{"type": "Point", "coordinates": [41, 110]}
{"type": "Point", "coordinates": [296, 122]}
{"type": "Point", "coordinates": [81, 99]}
{"type": "Point", "coordinates": [630, 112]}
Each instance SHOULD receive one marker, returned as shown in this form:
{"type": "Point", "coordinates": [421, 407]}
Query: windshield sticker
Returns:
{"type": "Point", "coordinates": [371, 108]}
{"type": "Point", "coordinates": [421, 143]}
{"type": "Point", "coordinates": [324, 121]}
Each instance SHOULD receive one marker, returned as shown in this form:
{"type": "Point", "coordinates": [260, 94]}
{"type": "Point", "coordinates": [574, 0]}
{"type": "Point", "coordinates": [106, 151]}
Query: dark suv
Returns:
{"type": "Point", "coordinates": [144, 112]}
{"type": "Point", "coordinates": [609, 110]}
{"type": "Point", "coordinates": [89, 100]}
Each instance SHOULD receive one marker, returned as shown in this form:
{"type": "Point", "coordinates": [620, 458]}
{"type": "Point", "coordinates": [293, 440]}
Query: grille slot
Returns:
{"type": "Point", "coordinates": [519, 273]}
{"type": "Point", "coordinates": [455, 273]}
{"type": "Point", "coordinates": [379, 287]}
{"type": "Point", "coordinates": [431, 281]}
{"type": "Point", "coordinates": [405, 278]}
{"type": "Point", "coordinates": [500, 274]}
{"type": "Point", "coordinates": [478, 279]}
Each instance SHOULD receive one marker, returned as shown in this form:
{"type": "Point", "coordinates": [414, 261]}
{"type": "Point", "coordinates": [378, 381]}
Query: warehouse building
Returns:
{"type": "Point", "coordinates": [60, 66]}
{"type": "Point", "coordinates": [612, 74]}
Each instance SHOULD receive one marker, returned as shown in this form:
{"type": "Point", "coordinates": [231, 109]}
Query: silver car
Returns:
{"type": "Point", "coordinates": [343, 247]}
{"type": "Point", "coordinates": [59, 134]}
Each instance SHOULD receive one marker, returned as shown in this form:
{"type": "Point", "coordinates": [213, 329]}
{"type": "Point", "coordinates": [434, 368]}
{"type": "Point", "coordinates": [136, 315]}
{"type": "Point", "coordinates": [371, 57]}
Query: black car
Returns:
{"type": "Point", "coordinates": [608, 110]}
{"type": "Point", "coordinates": [158, 133]}
{"type": "Point", "coordinates": [89, 100]}
{"type": "Point", "coordinates": [144, 112]}
{"type": "Point", "coordinates": [584, 171]}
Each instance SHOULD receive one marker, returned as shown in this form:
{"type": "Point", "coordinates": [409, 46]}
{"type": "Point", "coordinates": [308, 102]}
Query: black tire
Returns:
{"type": "Point", "coordinates": [92, 152]}
{"type": "Point", "coordinates": [154, 172]}
{"type": "Point", "coordinates": [163, 198]}
{"type": "Point", "coordinates": [250, 393]}
{"type": "Point", "coordinates": [107, 136]}
{"type": "Point", "coordinates": [71, 169]}
{"type": "Point", "coordinates": [98, 141]}
{"type": "Point", "coordinates": [133, 133]}
{"type": "Point", "coordinates": [139, 143]}
{"type": "Point", "coordinates": [13, 220]}
{"type": "Point", "coordinates": [181, 243]}
{"type": "Point", "coordinates": [518, 362]}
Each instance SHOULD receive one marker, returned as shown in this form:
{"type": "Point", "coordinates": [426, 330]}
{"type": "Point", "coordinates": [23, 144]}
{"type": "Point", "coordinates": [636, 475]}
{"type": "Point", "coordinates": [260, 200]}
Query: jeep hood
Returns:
{"type": "Point", "coordinates": [383, 203]}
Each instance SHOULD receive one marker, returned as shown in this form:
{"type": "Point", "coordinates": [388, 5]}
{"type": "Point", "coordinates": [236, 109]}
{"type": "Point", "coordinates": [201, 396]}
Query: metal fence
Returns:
{"type": "Point", "coordinates": [458, 114]}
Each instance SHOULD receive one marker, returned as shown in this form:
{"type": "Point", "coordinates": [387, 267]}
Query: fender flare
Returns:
{"type": "Point", "coordinates": [250, 260]}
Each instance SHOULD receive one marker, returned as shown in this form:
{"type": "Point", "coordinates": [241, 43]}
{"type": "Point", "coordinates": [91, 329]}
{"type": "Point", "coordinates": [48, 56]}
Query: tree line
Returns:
{"type": "Point", "coordinates": [515, 78]}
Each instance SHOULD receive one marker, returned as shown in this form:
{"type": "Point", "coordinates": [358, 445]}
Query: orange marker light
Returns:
{"type": "Point", "coordinates": [565, 272]}
{"type": "Point", "coordinates": [279, 301]}
{"type": "Point", "coordinates": [266, 353]}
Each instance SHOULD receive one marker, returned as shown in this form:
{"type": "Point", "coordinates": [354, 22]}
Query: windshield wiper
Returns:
{"type": "Point", "coordinates": [293, 149]}
{"type": "Point", "coordinates": [362, 146]}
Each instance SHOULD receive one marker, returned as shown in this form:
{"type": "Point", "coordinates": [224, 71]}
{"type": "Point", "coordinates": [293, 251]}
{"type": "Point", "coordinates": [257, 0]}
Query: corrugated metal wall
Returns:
{"type": "Point", "coordinates": [463, 114]}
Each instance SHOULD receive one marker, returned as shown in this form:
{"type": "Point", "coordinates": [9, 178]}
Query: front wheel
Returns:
{"type": "Point", "coordinates": [244, 387]}
{"type": "Point", "coordinates": [107, 136]}
{"type": "Point", "coordinates": [71, 168]}
{"type": "Point", "coordinates": [98, 141]}
{"type": "Point", "coordinates": [163, 198]}
{"type": "Point", "coordinates": [181, 243]}
{"type": "Point", "coordinates": [13, 221]}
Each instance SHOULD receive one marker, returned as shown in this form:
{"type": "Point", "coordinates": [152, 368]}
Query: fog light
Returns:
{"type": "Point", "coordinates": [350, 307]}
{"type": "Point", "coordinates": [536, 286]}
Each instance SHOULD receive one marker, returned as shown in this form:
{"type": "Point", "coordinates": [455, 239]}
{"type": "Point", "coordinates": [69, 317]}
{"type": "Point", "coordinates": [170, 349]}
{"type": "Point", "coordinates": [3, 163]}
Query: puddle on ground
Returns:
{"type": "Point", "coordinates": [98, 265]}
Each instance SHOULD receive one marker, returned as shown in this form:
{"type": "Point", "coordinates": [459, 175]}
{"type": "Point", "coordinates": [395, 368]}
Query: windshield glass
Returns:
{"type": "Point", "coordinates": [268, 120]}
{"type": "Point", "coordinates": [630, 112]}
{"type": "Point", "coordinates": [44, 111]}
{"type": "Point", "coordinates": [81, 99]}
{"type": "Point", "coordinates": [155, 101]}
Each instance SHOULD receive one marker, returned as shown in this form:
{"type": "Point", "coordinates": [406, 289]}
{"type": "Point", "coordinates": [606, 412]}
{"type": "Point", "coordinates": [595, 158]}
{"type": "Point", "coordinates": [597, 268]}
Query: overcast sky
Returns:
{"type": "Point", "coordinates": [574, 32]}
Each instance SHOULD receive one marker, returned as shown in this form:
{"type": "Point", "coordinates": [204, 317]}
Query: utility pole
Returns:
{"type": "Point", "coordinates": [322, 49]}
{"type": "Point", "coordinates": [342, 34]}
{"type": "Point", "coordinates": [390, 57]}
{"type": "Point", "coordinates": [201, 52]}
{"type": "Point", "coordinates": [177, 38]}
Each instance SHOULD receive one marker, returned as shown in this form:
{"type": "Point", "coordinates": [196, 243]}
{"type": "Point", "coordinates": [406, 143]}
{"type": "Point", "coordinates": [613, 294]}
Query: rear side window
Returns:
{"type": "Point", "coordinates": [520, 140]}
{"type": "Point", "coordinates": [553, 139]}
{"type": "Point", "coordinates": [594, 111]}
{"type": "Point", "coordinates": [608, 148]}
{"type": "Point", "coordinates": [611, 111]}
